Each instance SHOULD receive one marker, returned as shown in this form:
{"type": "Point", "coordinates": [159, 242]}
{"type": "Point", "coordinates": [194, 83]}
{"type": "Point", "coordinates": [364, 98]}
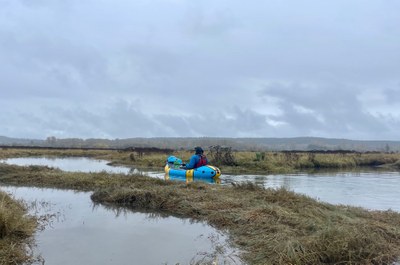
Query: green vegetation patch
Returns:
{"type": "Point", "coordinates": [270, 226]}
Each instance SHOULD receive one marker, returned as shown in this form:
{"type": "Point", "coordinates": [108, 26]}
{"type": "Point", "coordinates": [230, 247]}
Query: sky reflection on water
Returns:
{"type": "Point", "coordinates": [81, 233]}
{"type": "Point", "coordinates": [371, 189]}
{"type": "Point", "coordinates": [77, 164]}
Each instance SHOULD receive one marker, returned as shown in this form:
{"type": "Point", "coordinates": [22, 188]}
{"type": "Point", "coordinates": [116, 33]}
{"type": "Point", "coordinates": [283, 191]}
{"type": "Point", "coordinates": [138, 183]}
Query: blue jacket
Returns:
{"type": "Point", "coordinates": [193, 161]}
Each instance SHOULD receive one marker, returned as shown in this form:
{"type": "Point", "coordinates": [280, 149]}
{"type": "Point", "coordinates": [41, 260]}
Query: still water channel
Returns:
{"type": "Point", "coordinates": [77, 164]}
{"type": "Point", "coordinates": [373, 189]}
{"type": "Point", "coordinates": [79, 232]}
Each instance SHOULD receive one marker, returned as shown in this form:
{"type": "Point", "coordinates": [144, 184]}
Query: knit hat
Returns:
{"type": "Point", "coordinates": [198, 150]}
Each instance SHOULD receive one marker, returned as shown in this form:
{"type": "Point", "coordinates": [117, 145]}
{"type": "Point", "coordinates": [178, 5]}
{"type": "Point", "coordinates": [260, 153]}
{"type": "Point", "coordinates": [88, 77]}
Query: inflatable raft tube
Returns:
{"type": "Point", "coordinates": [200, 172]}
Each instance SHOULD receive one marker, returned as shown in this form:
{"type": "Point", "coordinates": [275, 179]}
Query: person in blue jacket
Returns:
{"type": "Point", "coordinates": [198, 159]}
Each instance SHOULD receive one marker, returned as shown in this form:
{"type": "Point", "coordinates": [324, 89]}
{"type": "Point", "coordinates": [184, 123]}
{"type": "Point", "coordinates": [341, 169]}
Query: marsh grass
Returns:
{"type": "Point", "coordinates": [281, 162]}
{"type": "Point", "coordinates": [254, 162]}
{"type": "Point", "coordinates": [269, 226]}
{"type": "Point", "coordinates": [16, 231]}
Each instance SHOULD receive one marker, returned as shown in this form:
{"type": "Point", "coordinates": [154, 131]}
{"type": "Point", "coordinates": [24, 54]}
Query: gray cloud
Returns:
{"type": "Point", "coordinates": [320, 109]}
{"type": "Point", "coordinates": [179, 68]}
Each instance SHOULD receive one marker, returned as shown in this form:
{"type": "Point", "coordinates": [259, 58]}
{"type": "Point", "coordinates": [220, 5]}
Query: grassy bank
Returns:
{"type": "Point", "coordinates": [265, 162]}
{"type": "Point", "coordinates": [270, 226]}
{"type": "Point", "coordinates": [274, 162]}
{"type": "Point", "coordinates": [16, 230]}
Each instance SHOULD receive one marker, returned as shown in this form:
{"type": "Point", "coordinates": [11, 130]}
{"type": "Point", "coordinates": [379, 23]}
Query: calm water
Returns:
{"type": "Point", "coordinates": [77, 164]}
{"type": "Point", "coordinates": [374, 190]}
{"type": "Point", "coordinates": [78, 232]}
{"type": "Point", "coordinates": [371, 189]}
{"type": "Point", "coordinates": [81, 233]}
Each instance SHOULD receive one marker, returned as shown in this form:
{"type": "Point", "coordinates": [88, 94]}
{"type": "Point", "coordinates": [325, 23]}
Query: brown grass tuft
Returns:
{"type": "Point", "coordinates": [16, 230]}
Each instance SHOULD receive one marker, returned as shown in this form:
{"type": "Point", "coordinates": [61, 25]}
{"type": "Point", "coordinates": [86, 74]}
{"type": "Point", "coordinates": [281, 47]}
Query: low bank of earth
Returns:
{"type": "Point", "coordinates": [270, 226]}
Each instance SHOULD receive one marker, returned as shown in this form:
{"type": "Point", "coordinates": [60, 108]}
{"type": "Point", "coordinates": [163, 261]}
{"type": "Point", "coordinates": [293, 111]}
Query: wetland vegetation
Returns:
{"type": "Point", "coordinates": [239, 161]}
{"type": "Point", "coordinates": [270, 226]}
{"type": "Point", "coordinates": [16, 231]}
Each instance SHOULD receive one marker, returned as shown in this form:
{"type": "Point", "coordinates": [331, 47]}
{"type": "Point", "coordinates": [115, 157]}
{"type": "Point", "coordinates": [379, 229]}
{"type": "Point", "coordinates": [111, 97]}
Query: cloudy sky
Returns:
{"type": "Point", "coordinates": [226, 68]}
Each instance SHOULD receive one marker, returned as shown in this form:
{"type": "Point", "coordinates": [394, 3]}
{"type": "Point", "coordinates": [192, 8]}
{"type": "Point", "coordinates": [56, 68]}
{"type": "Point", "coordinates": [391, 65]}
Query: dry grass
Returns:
{"type": "Point", "coordinates": [16, 230]}
{"type": "Point", "coordinates": [280, 162]}
{"type": "Point", "coordinates": [270, 226]}
{"type": "Point", "coordinates": [276, 226]}
{"type": "Point", "coordinates": [272, 162]}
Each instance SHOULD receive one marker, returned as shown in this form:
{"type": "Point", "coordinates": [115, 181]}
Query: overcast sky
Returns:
{"type": "Point", "coordinates": [225, 68]}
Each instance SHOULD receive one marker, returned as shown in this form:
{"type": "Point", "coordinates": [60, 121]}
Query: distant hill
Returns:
{"type": "Point", "coordinates": [18, 141]}
{"type": "Point", "coordinates": [251, 144]}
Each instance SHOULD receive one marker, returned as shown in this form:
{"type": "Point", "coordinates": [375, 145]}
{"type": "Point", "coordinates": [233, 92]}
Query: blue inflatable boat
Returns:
{"type": "Point", "coordinates": [188, 180]}
{"type": "Point", "coordinates": [174, 168]}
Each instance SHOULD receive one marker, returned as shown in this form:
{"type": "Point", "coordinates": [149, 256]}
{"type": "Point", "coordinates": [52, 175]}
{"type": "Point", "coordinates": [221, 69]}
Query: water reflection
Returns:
{"type": "Point", "coordinates": [192, 179]}
{"type": "Point", "coordinates": [78, 164]}
{"type": "Point", "coordinates": [79, 232]}
{"type": "Point", "coordinates": [376, 190]}
{"type": "Point", "coordinates": [371, 189]}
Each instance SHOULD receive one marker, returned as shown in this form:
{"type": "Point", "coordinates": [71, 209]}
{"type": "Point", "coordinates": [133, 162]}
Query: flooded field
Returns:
{"type": "Point", "coordinates": [78, 164]}
{"type": "Point", "coordinates": [376, 190]}
{"type": "Point", "coordinates": [79, 232]}
{"type": "Point", "coordinates": [253, 217]}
